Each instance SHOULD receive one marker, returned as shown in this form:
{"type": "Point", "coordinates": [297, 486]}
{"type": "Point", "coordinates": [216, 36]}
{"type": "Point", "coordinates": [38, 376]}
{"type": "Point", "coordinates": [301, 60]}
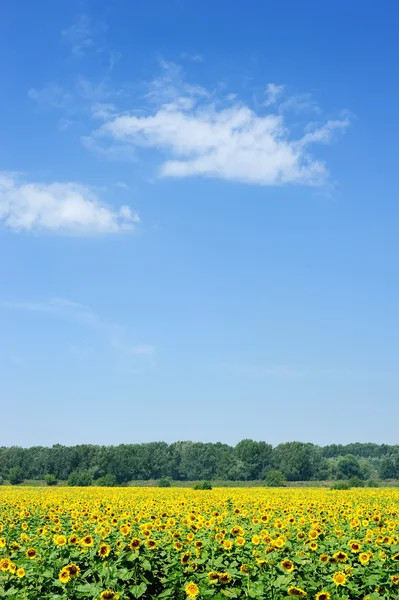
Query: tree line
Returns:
{"type": "Point", "coordinates": [193, 461]}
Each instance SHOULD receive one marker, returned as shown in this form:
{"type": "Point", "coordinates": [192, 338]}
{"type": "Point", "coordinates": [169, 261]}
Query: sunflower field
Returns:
{"type": "Point", "coordinates": [110, 543]}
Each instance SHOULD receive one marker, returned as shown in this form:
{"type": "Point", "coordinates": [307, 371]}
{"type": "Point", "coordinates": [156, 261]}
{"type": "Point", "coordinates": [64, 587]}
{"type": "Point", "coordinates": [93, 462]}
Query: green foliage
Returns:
{"type": "Point", "coordinates": [187, 461]}
{"type": "Point", "coordinates": [15, 475]}
{"type": "Point", "coordinates": [372, 483]}
{"type": "Point", "coordinates": [107, 480]}
{"type": "Point", "coordinates": [356, 482]}
{"type": "Point", "coordinates": [349, 466]}
{"type": "Point", "coordinates": [341, 485]}
{"type": "Point", "coordinates": [275, 478]}
{"type": "Point", "coordinates": [50, 479]}
{"type": "Point", "coordinates": [203, 485]}
{"type": "Point", "coordinates": [165, 482]}
{"type": "Point", "coordinates": [79, 479]}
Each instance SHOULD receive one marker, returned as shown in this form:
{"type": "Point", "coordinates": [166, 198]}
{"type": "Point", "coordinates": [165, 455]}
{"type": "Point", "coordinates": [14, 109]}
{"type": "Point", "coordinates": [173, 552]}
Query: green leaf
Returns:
{"type": "Point", "coordinates": [138, 590]}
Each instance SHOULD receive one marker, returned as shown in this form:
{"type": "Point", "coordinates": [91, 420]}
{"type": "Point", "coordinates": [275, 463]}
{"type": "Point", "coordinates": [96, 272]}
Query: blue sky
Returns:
{"type": "Point", "coordinates": [198, 221]}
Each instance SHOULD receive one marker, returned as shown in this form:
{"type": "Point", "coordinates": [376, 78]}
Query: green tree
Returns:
{"type": "Point", "coordinates": [50, 479]}
{"type": "Point", "coordinates": [275, 478]}
{"type": "Point", "coordinates": [255, 456]}
{"type": "Point", "coordinates": [349, 466]}
{"type": "Point", "coordinates": [15, 475]}
{"type": "Point", "coordinates": [295, 460]}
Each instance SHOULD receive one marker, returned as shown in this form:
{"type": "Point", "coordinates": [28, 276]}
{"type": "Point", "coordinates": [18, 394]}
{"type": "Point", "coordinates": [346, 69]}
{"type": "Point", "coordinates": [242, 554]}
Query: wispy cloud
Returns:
{"type": "Point", "coordinates": [67, 208]}
{"type": "Point", "coordinates": [53, 96]}
{"type": "Point", "coordinates": [198, 58]}
{"type": "Point", "coordinates": [291, 372]}
{"type": "Point", "coordinates": [74, 312]}
{"type": "Point", "coordinates": [205, 134]}
{"type": "Point", "coordinates": [79, 35]}
{"type": "Point", "coordinates": [273, 93]}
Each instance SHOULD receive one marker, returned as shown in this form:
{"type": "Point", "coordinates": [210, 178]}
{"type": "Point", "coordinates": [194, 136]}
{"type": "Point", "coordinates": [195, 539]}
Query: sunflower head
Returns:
{"type": "Point", "coordinates": [296, 592]}
{"type": "Point", "coordinates": [192, 590]}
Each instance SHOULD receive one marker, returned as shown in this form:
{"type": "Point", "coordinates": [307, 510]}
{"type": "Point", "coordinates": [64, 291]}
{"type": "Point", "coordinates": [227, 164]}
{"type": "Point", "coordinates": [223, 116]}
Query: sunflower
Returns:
{"type": "Point", "coordinates": [340, 556]}
{"type": "Point", "coordinates": [73, 539]}
{"type": "Point", "coordinates": [73, 570]}
{"type": "Point", "coordinates": [135, 544]}
{"type": "Point", "coordinates": [12, 567]}
{"type": "Point", "coordinates": [185, 557]}
{"type": "Point", "coordinates": [364, 557]}
{"type": "Point", "coordinates": [151, 544]}
{"type": "Point", "coordinates": [63, 575]}
{"type": "Point", "coordinates": [224, 577]}
{"type": "Point", "coordinates": [323, 596]}
{"type": "Point", "coordinates": [240, 541]}
{"type": "Point", "coordinates": [213, 576]}
{"type": "Point", "coordinates": [109, 595]}
{"type": "Point", "coordinates": [355, 546]}
{"type": "Point", "coordinates": [227, 544]}
{"type": "Point", "coordinates": [60, 540]}
{"type": "Point", "coordinates": [87, 541]}
{"type": "Point", "coordinates": [104, 550]}
{"type": "Point", "coordinates": [192, 590]}
{"type": "Point", "coordinates": [198, 544]}
{"type": "Point", "coordinates": [395, 556]}
{"type": "Point", "coordinates": [236, 530]}
{"type": "Point", "coordinates": [313, 546]}
{"type": "Point", "coordinates": [31, 553]}
{"type": "Point", "coordinates": [287, 565]}
{"type": "Point", "coordinates": [244, 569]}
{"type": "Point", "coordinates": [395, 579]}
{"type": "Point", "coordinates": [323, 558]}
{"type": "Point", "coordinates": [178, 545]}
{"type": "Point", "coordinates": [3, 542]}
{"type": "Point", "coordinates": [296, 591]}
{"type": "Point", "coordinates": [4, 564]}
{"type": "Point", "coordinates": [255, 540]}
{"type": "Point", "coordinates": [339, 578]}
{"type": "Point", "coordinates": [20, 572]}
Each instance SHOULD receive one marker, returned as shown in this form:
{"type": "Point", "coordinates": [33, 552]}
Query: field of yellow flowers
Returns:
{"type": "Point", "coordinates": [121, 543]}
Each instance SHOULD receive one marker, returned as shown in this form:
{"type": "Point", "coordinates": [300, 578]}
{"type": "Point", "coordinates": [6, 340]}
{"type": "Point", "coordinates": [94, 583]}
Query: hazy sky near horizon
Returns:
{"type": "Point", "coordinates": [198, 221]}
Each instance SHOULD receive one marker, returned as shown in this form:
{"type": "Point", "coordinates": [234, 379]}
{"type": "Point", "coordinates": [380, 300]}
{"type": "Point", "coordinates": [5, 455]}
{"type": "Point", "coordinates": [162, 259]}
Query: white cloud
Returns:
{"type": "Point", "coordinates": [79, 35]}
{"type": "Point", "coordinates": [74, 312]}
{"type": "Point", "coordinates": [143, 350]}
{"type": "Point", "coordinates": [59, 207]}
{"type": "Point", "coordinates": [204, 135]}
{"type": "Point", "coordinates": [194, 57]}
{"type": "Point", "coordinates": [51, 95]}
{"type": "Point", "coordinates": [273, 92]}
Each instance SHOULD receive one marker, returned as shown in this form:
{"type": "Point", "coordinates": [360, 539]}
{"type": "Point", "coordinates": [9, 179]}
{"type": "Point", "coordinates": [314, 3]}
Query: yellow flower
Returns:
{"type": "Point", "coordinates": [296, 592]}
{"type": "Point", "coordinates": [3, 542]}
{"type": "Point", "coordinates": [323, 596]}
{"type": "Point", "coordinates": [20, 572]}
{"type": "Point", "coordinates": [109, 595]}
{"type": "Point", "coordinates": [395, 579]}
{"type": "Point", "coordinates": [240, 541]}
{"type": "Point", "coordinates": [104, 550]}
{"type": "Point", "coordinates": [151, 544]}
{"type": "Point", "coordinates": [340, 556]}
{"type": "Point", "coordinates": [339, 578]}
{"type": "Point", "coordinates": [87, 541]}
{"type": "Point", "coordinates": [213, 576]}
{"type": "Point", "coordinates": [135, 544]}
{"type": "Point", "coordinates": [255, 540]}
{"type": "Point", "coordinates": [192, 590]}
{"type": "Point", "coordinates": [60, 540]}
{"type": "Point", "coordinates": [287, 565]}
{"type": "Point", "coordinates": [63, 575]}
{"type": "Point", "coordinates": [364, 558]}
{"type": "Point", "coordinates": [31, 553]}
{"type": "Point", "coordinates": [224, 577]}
